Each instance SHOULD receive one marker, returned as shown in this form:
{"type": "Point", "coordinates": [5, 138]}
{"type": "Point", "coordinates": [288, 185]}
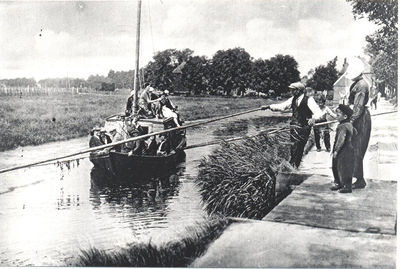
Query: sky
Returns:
{"type": "Point", "coordinates": [76, 39]}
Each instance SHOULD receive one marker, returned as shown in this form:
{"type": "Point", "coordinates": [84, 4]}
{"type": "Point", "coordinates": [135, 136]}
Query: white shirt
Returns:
{"type": "Point", "coordinates": [312, 105]}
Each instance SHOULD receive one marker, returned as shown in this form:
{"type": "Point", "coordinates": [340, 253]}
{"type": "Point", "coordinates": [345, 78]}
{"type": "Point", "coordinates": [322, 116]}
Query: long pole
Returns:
{"type": "Point", "coordinates": [372, 115]}
{"type": "Point", "coordinates": [153, 134]}
{"type": "Point", "coordinates": [127, 140]}
{"type": "Point", "coordinates": [136, 78]}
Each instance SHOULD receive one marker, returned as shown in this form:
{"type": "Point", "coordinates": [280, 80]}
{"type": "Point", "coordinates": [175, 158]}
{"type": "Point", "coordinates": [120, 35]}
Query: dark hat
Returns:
{"type": "Point", "coordinates": [297, 85]}
{"type": "Point", "coordinates": [345, 109]}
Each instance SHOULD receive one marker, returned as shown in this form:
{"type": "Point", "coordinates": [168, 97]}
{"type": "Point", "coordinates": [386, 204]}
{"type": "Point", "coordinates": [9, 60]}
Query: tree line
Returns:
{"type": "Point", "coordinates": [229, 72]}
{"type": "Point", "coordinates": [234, 71]}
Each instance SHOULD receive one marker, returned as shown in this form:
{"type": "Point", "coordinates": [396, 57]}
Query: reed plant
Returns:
{"type": "Point", "coordinates": [179, 253]}
{"type": "Point", "coordinates": [238, 179]}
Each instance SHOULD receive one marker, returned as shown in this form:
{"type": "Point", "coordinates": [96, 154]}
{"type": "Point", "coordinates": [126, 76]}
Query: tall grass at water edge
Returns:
{"type": "Point", "coordinates": [178, 253]}
{"type": "Point", "coordinates": [34, 120]}
{"type": "Point", "coordinates": [239, 179]}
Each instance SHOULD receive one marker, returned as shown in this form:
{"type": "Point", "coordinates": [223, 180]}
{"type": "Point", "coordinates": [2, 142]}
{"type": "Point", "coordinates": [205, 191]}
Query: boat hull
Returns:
{"type": "Point", "coordinates": [101, 160]}
{"type": "Point", "coordinates": [138, 166]}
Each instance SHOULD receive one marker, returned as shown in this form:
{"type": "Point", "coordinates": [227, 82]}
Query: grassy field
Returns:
{"type": "Point", "coordinates": [34, 120]}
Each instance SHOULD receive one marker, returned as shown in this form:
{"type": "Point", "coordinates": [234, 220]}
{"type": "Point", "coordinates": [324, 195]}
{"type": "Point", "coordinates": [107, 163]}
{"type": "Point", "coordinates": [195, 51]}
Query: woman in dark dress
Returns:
{"type": "Point", "coordinates": [361, 118]}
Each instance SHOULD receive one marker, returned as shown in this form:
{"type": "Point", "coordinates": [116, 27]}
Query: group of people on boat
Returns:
{"type": "Point", "coordinates": [154, 104]}
{"type": "Point", "coordinates": [99, 136]}
{"type": "Point", "coordinates": [153, 146]}
{"type": "Point", "coordinates": [352, 133]}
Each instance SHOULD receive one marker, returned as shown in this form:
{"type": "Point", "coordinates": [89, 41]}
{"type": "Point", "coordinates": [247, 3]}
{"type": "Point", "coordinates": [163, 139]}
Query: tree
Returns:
{"type": "Point", "coordinates": [230, 70]}
{"type": "Point", "coordinates": [324, 76]}
{"type": "Point", "coordinates": [260, 76]}
{"type": "Point", "coordinates": [382, 46]}
{"type": "Point", "coordinates": [159, 71]}
{"type": "Point", "coordinates": [194, 74]}
{"type": "Point", "coordinates": [19, 82]}
{"type": "Point", "coordinates": [282, 71]}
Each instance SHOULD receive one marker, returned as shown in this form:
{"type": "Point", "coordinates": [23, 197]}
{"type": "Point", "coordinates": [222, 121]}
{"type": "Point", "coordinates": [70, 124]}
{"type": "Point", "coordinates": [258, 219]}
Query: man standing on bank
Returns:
{"type": "Point", "coordinates": [361, 118]}
{"type": "Point", "coordinates": [305, 113]}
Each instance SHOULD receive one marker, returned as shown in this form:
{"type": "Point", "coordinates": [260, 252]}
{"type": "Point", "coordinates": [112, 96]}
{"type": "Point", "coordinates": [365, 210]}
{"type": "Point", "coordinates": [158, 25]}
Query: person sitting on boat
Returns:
{"type": "Point", "coordinates": [151, 146]}
{"type": "Point", "coordinates": [104, 137]}
{"type": "Point", "coordinates": [112, 134]}
{"type": "Point", "coordinates": [136, 125]}
{"type": "Point", "coordinates": [134, 147]}
{"type": "Point", "coordinates": [155, 104]}
{"type": "Point", "coordinates": [168, 109]}
{"type": "Point", "coordinates": [145, 102]}
{"type": "Point", "coordinates": [164, 148]}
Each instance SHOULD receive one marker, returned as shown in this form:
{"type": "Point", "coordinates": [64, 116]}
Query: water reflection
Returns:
{"type": "Point", "coordinates": [49, 213]}
{"type": "Point", "coordinates": [131, 195]}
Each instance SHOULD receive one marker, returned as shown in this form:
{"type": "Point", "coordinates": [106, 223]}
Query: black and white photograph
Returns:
{"type": "Point", "coordinates": [199, 133]}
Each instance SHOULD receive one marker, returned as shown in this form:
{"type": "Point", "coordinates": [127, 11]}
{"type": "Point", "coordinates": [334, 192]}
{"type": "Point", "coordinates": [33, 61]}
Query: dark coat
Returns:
{"type": "Point", "coordinates": [95, 141]}
{"type": "Point", "coordinates": [361, 120]}
{"type": "Point", "coordinates": [343, 164]}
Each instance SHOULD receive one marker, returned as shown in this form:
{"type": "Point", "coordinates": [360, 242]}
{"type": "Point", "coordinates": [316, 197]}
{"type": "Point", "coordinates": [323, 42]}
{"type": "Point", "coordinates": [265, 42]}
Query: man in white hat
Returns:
{"type": "Point", "coordinates": [305, 113]}
{"type": "Point", "coordinates": [361, 118]}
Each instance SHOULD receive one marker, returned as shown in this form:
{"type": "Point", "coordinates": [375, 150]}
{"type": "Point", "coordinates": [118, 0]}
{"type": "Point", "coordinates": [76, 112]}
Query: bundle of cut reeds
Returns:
{"type": "Point", "coordinates": [238, 179]}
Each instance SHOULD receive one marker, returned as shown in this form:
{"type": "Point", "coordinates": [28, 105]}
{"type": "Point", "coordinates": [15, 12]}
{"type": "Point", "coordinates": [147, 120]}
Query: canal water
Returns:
{"type": "Point", "coordinates": [49, 213]}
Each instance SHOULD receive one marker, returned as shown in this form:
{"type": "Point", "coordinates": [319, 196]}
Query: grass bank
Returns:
{"type": "Point", "coordinates": [34, 120]}
{"type": "Point", "coordinates": [179, 253]}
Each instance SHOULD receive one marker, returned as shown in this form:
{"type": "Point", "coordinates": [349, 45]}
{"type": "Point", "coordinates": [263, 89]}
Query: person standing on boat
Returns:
{"type": "Point", "coordinates": [361, 118]}
{"type": "Point", "coordinates": [129, 104]}
{"type": "Point", "coordinates": [343, 151]}
{"type": "Point", "coordinates": [168, 109]}
{"type": "Point", "coordinates": [305, 113]}
{"type": "Point", "coordinates": [95, 138]}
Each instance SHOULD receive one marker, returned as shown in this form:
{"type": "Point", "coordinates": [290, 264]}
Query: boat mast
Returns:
{"type": "Point", "coordinates": [136, 85]}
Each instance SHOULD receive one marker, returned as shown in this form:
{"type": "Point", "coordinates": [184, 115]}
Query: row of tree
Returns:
{"type": "Point", "coordinates": [235, 71]}
{"type": "Point", "coordinates": [382, 45]}
{"type": "Point", "coordinates": [229, 71]}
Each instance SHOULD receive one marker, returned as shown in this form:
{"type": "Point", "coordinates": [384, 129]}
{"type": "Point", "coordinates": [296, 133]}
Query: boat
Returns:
{"type": "Point", "coordinates": [123, 163]}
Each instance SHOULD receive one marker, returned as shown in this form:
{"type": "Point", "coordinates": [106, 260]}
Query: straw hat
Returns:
{"type": "Point", "coordinates": [297, 85]}
{"type": "Point", "coordinates": [355, 68]}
